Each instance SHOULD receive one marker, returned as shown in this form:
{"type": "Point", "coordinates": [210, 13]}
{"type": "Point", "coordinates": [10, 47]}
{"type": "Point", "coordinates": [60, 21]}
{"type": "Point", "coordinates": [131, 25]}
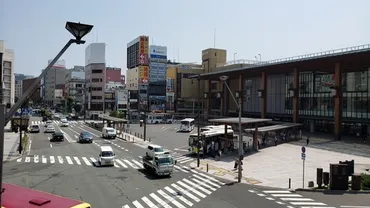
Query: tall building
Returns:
{"type": "Point", "coordinates": [35, 96]}
{"type": "Point", "coordinates": [95, 79]}
{"type": "Point", "coordinates": [18, 87]}
{"type": "Point", "coordinates": [112, 83]}
{"type": "Point", "coordinates": [7, 80]}
{"type": "Point", "coordinates": [53, 84]}
{"type": "Point", "coordinates": [75, 84]}
{"type": "Point", "coordinates": [137, 75]}
{"type": "Point", "coordinates": [157, 78]}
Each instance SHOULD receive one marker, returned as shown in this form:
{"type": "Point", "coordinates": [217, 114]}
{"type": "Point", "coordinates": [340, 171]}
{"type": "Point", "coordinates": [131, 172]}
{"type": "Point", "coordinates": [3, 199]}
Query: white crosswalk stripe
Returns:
{"type": "Point", "coordinates": [287, 197]}
{"type": "Point", "coordinates": [180, 194]}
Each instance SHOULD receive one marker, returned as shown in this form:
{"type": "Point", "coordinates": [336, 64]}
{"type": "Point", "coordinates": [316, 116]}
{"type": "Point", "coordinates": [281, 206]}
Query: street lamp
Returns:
{"type": "Point", "coordinates": [78, 30]}
{"type": "Point", "coordinates": [239, 106]}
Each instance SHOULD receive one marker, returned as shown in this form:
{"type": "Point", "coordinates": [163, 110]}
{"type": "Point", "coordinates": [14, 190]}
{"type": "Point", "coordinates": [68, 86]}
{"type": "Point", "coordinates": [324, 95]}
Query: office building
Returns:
{"type": "Point", "coordinates": [95, 70]}
{"type": "Point", "coordinates": [35, 98]}
{"type": "Point", "coordinates": [7, 80]}
{"type": "Point", "coordinates": [75, 84]}
{"type": "Point", "coordinates": [111, 88]}
{"type": "Point", "coordinates": [53, 83]}
{"type": "Point", "coordinates": [157, 78]}
{"type": "Point", "coordinates": [18, 85]}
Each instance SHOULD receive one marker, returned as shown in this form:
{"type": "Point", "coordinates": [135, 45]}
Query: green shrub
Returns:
{"type": "Point", "coordinates": [24, 141]}
{"type": "Point", "coordinates": [365, 184]}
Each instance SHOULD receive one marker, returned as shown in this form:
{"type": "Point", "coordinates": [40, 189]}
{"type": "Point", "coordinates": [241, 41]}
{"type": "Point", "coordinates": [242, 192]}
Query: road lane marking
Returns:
{"type": "Point", "coordinates": [60, 159]}
{"type": "Point", "coordinates": [181, 169]}
{"type": "Point", "coordinates": [137, 204]}
{"type": "Point", "coordinates": [121, 163]}
{"type": "Point", "coordinates": [77, 160]}
{"type": "Point", "coordinates": [19, 159]}
{"type": "Point", "coordinates": [191, 189]}
{"type": "Point", "coordinates": [43, 158]}
{"type": "Point", "coordinates": [204, 184]}
{"type": "Point", "coordinates": [308, 203]}
{"type": "Point", "coordinates": [66, 136]}
{"type": "Point", "coordinates": [212, 179]}
{"type": "Point", "coordinates": [28, 159]}
{"type": "Point", "coordinates": [198, 186]}
{"type": "Point", "coordinates": [130, 164]}
{"type": "Point", "coordinates": [185, 192]}
{"type": "Point", "coordinates": [170, 199]}
{"type": "Point", "coordinates": [286, 195]}
{"type": "Point", "coordinates": [137, 163]}
{"type": "Point", "coordinates": [126, 206]}
{"type": "Point", "coordinates": [185, 161]}
{"type": "Point", "coordinates": [208, 181]}
{"type": "Point", "coordinates": [52, 159]}
{"type": "Point", "coordinates": [296, 199]}
{"type": "Point", "coordinates": [36, 159]}
{"type": "Point", "coordinates": [159, 200]}
{"type": "Point", "coordinates": [277, 192]}
{"type": "Point", "coordinates": [148, 202]}
{"type": "Point", "coordinates": [87, 162]}
{"type": "Point", "coordinates": [269, 198]}
{"type": "Point", "coordinates": [183, 199]}
{"type": "Point", "coordinates": [69, 160]}
{"type": "Point", "coordinates": [51, 146]}
{"type": "Point", "coordinates": [93, 159]}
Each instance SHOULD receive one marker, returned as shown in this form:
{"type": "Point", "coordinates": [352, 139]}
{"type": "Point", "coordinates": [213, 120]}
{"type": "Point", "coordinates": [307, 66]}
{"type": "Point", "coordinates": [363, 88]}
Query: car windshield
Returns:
{"type": "Point", "coordinates": [165, 160]}
{"type": "Point", "coordinates": [35, 126]}
{"type": "Point", "coordinates": [58, 134]}
{"type": "Point", "coordinates": [158, 149]}
{"type": "Point", "coordinates": [107, 154]}
{"type": "Point", "coordinates": [110, 131]}
{"type": "Point", "coordinates": [86, 134]}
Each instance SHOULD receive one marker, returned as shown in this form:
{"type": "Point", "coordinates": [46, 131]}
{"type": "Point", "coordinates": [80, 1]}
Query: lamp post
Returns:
{"type": "Point", "coordinates": [78, 30]}
{"type": "Point", "coordinates": [234, 56]}
{"type": "Point", "coordinates": [239, 106]}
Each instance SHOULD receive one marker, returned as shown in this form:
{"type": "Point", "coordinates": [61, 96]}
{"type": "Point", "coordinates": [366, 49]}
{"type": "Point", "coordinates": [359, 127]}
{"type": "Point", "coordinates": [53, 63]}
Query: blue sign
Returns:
{"type": "Point", "coordinates": [23, 112]}
{"type": "Point", "coordinates": [154, 56]}
{"type": "Point", "coordinates": [303, 156]}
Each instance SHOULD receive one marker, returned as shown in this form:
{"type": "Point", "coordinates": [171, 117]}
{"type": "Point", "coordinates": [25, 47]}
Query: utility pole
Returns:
{"type": "Point", "coordinates": [147, 109]}
{"type": "Point", "coordinates": [198, 126]}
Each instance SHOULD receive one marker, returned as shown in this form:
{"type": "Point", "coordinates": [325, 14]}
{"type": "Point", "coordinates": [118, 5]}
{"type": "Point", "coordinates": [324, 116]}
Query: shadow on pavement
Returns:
{"type": "Point", "coordinates": [151, 176]}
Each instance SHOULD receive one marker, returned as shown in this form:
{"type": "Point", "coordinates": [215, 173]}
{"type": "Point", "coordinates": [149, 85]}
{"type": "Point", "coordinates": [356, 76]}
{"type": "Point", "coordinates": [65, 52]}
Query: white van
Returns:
{"type": "Point", "coordinates": [106, 156]}
{"type": "Point", "coordinates": [109, 133]}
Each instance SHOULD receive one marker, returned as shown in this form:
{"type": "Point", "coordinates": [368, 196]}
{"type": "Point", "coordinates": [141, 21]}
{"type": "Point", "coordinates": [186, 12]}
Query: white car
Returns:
{"type": "Point", "coordinates": [65, 124]}
{"type": "Point", "coordinates": [154, 150]}
{"type": "Point", "coordinates": [48, 123]}
{"type": "Point", "coordinates": [50, 129]}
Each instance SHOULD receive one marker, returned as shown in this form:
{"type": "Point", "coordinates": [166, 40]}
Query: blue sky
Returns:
{"type": "Point", "coordinates": [274, 29]}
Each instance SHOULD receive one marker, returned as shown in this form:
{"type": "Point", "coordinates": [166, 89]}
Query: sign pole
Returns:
{"type": "Point", "coordinates": [303, 156]}
{"type": "Point", "coordinates": [303, 174]}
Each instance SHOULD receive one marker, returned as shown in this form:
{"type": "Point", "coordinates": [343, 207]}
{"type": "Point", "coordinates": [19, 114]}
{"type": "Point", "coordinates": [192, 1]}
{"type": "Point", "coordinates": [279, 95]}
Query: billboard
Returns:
{"type": "Point", "coordinates": [144, 50]}
{"type": "Point", "coordinates": [143, 74]}
{"type": "Point", "coordinates": [121, 97]}
{"type": "Point", "coordinates": [170, 85]}
{"type": "Point", "coordinates": [170, 101]}
{"type": "Point", "coordinates": [158, 52]}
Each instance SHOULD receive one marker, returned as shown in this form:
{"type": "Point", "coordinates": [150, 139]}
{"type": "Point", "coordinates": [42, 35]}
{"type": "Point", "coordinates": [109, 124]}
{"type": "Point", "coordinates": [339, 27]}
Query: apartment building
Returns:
{"type": "Point", "coordinates": [111, 88]}
{"type": "Point", "coordinates": [95, 76]}
{"type": "Point", "coordinates": [75, 84]}
{"type": "Point", "coordinates": [18, 85]}
{"type": "Point", "coordinates": [7, 80]}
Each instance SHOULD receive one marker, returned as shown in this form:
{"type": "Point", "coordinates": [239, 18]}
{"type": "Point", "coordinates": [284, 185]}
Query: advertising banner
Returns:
{"type": "Point", "coordinates": [158, 52]}
{"type": "Point", "coordinates": [170, 101]}
{"type": "Point", "coordinates": [170, 86]}
{"type": "Point", "coordinates": [143, 74]}
{"type": "Point", "coordinates": [122, 96]}
{"type": "Point", "coordinates": [144, 50]}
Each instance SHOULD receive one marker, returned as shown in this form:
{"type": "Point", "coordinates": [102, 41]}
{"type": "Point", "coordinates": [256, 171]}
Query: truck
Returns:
{"type": "Point", "coordinates": [160, 165]}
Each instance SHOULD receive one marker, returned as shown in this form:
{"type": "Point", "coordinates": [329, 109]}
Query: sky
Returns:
{"type": "Point", "coordinates": [275, 29]}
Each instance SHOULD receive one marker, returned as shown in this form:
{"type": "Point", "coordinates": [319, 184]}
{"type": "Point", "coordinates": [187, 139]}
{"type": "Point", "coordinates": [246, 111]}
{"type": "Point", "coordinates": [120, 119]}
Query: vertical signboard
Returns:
{"type": "Point", "coordinates": [143, 50]}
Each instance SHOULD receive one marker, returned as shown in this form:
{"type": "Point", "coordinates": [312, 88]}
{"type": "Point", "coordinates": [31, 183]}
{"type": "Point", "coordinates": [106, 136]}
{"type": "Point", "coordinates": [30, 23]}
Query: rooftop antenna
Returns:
{"type": "Point", "coordinates": [174, 56]}
{"type": "Point", "coordinates": [214, 38]}
{"type": "Point", "coordinates": [178, 53]}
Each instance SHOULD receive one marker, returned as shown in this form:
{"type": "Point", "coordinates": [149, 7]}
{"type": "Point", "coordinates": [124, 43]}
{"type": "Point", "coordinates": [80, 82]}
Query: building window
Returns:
{"type": "Point", "coordinates": [214, 85]}
{"type": "Point", "coordinates": [97, 71]}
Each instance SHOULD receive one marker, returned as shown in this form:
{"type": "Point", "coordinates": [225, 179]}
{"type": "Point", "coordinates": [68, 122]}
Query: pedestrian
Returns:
{"type": "Point", "coordinates": [236, 163]}
{"type": "Point", "coordinates": [308, 140]}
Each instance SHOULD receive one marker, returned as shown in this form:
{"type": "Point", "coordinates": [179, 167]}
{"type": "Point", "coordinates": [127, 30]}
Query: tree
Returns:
{"type": "Point", "coordinates": [121, 115]}
{"type": "Point", "coordinates": [113, 114]}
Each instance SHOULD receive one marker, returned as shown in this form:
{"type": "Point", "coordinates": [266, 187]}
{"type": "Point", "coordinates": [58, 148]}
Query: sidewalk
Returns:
{"type": "Point", "coordinates": [11, 142]}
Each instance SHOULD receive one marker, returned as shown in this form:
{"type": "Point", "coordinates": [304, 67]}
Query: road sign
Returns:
{"type": "Point", "coordinates": [303, 156]}
{"type": "Point", "coordinates": [303, 149]}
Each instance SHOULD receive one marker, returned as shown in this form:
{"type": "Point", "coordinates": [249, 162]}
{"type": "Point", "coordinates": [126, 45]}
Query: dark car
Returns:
{"type": "Point", "coordinates": [57, 136]}
{"type": "Point", "coordinates": [85, 137]}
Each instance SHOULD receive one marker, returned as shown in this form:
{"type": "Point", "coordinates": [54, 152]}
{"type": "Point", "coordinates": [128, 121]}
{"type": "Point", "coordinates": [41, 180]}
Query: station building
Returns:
{"type": "Point", "coordinates": [327, 91]}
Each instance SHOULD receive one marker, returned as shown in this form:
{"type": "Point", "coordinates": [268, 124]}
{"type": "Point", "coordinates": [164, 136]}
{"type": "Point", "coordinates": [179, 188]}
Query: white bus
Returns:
{"type": "Point", "coordinates": [187, 125]}
{"type": "Point", "coordinates": [206, 138]}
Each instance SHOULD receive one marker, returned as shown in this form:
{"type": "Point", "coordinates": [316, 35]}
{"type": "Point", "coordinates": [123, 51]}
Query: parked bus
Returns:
{"type": "Point", "coordinates": [14, 196]}
{"type": "Point", "coordinates": [207, 137]}
{"type": "Point", "coordinates": [187, 125]}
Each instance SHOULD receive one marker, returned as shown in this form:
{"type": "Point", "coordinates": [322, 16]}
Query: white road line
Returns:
{"type": "Point", "coordinates": [93, 159]}
{"type": "Point", "coordinates": [204, 184]}
{"type": "Point", "coordinates": [335, 207]}
{"type": "Point", "coordinates": [185, 192]}
{"type": "Point", "coordinates": [180, 168]}
{"type": "Point", "coordinates": [191, 189]}
{"type": "Point", "coordinates": [279, 202]}
{"type": "Point", "coordinates": [277, 192]}
{"type": "Point", "coordinates": [132, 165]}
{"type": "Point", "coordinates": [19, 159]}
{"type": "Point", "coordinates": [66, 136]}
{"type": "Point", "coordinates": [308, 203]}
{"type": "Point", "coordinates": [36, 159]}
{"type": "Point", "coordinates": [69, 160]}
{"type": "Point", "coordinates": [115, 164]}
{"type": "Point", "coordinates": [168, 198]}
{"type": "Point", "coordinates": [43, 159]}
{"type": "Point", "coordinates": [148, 202]}
{"type": "Point", "coordinates": [346, 206]}
{"type": "Point", "coordinates": [28, 159]}
{"type": "Point", "coordinates": [87, 162]}
{"type": "Point", "coordinates": [252, 191]}
{"type": "Point", "coordinates": [185, 161]}
{"type": "Point", "coordinates": [286, 195]}
{"type": "Point", "coordinates": [198, 186]}
{"type": "Point", "coordinates": [261, 194]}
{"type": "Point", "coordinates": [49, 138]}
{"type": "Point", "coordinates": [159, 200]}
{"type": "Point", "coordinates": [211, 178]}
{"type": "Point", "coordinates": [183, 199]}
{"type": "Point", "coordinates": [77, 160]}
{"type": "Point", "coordinates": [121, 163]}
{"type": "Point", "coordinates": [137, 163]}
{"type": "Point", "coordinates": [52, 159]}
{"type": "Point", "coordinates": [60, 159]}
{"type": "Point", "coordinates": [137, 204]}
{"type": "Point", "coordinates": [207, 181]}
{"type": "Point", "coordinates": [51, 146]}
{"type": "Point", "coordinates": [297, 199]}
{"type": "Point", "coordinates": [269, 198]}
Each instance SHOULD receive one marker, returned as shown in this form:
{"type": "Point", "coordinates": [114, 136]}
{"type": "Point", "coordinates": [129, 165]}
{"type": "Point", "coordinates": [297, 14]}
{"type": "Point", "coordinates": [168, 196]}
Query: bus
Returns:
{"type": "Point", "coordinates": [207, 137]}
{"type": "Point", "coordinates": [157, 118]}
{"type": "Point", "coordinates": [14, 196]}
{"type": "Point", "coordinates": [187, 125]}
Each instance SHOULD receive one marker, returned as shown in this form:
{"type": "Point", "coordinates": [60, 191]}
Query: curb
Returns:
{"type": "Point", "coordinates": [333, 191]}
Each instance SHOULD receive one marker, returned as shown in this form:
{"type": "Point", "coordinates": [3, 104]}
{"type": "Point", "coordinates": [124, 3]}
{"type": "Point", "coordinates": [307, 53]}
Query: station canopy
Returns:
{"type": "Point", "coordinates": [279, 126]}
{"type": "Point", "coordinates": [114, 119]}
{"type": "Point", "coordinates": [235, 120]}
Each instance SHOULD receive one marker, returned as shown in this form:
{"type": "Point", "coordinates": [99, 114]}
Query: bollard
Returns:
{"type": "Point", "coordinates": [290, 183]}
{"type": "Point", "coordinates": [207, 167]}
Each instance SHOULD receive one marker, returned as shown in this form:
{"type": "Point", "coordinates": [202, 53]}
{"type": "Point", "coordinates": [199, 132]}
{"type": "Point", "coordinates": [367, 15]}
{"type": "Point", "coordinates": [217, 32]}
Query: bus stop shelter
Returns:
{"type": "Point", "coordinates": [116, 123]}
{"type": "Point", "coordinates": [244, 123]}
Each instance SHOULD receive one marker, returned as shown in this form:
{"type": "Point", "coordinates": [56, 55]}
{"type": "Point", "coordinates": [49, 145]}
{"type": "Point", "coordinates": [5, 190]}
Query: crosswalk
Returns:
{"type": "Point", "coordinates": [290, 199]}
{"type": "Point", "coordinates": [182, 193]}
{"type": "Point", "coordinates": [125, 163]}
{"type": "Point", "coordinates": [56, 122]}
